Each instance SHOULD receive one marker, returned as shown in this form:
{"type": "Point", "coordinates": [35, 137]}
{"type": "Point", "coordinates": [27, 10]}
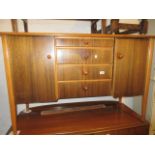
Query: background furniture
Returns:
{"type": "Point", "coordinates": [115, 26]}
{"type": "Point", "coordinates": [47, 67]}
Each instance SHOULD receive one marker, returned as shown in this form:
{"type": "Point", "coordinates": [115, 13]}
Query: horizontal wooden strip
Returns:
{"type": "Point", "coordinates": [97, 80]}
{"type": "Point", "coordinates": [129, 26]}
{"type": "Point", "coordinates": [83, 38]}
{"type": "Point", "coordinates": [72, 109]}
{"type": "Point", "coordinates": [85, 47]}
{"type": "Point", "coordinates": [65, 64]}
{"type": "Point", "coordinates": [57, 35]}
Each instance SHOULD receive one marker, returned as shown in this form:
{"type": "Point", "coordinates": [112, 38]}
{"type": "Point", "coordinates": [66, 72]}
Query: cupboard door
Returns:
{"type": "Point", "coordinates": [32, 61]}
{"type": "Point", "coordinates": [129, 67]}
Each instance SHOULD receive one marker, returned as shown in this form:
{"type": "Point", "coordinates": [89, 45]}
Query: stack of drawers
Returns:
{"type": "Point", "coordinates": [84, 66]}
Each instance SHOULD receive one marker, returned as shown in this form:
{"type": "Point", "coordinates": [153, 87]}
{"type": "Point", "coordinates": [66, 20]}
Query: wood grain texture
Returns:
{"type": "Point", "coordinates": [71, 35]}
{"type": "Point", "coordinates": [14, 25]}
{"type": "Point", "coordinates": [130, 67]}
{"type": "Point", "coordinates": [32, 71]}
{"type": "Point", "coordinates": [108, 42]}
{"type": "Point", "coordinates": [114, 119]}
{"type": "Point", "coordinates": [36, 62]}
{"type": "Point", "coordinates": [147, 76]}
{"type": "Point", "coordinates": [84, 72]}
{"type": "Point", "coordinates": [11, 93]}
{"type": "Point", "coordinates": [85, 56]}
{"type": "Point", "coordinates": [76, 89]}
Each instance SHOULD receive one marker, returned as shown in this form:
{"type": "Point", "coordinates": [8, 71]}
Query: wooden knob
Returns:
{"type": "Point", "coordinates": [49, 56]}
{"type": "Point", "coordinates": [86, 55]}
{"type": "Point", "coordinates": [85, 72]}
{"type": "Point", "coordinates": [120, 55]}
{"type": "Point", "coordinates": [86, 43]}
{"type": "Point", "coordinates": [85, 88]}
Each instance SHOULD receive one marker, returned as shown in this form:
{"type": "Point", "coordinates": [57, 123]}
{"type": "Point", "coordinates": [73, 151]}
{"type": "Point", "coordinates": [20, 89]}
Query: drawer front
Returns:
{"type": "Point", "coordinates": [85, 56]}
{"type": "Point", "coordinates": [73, 56]}
{"type": "Point", "coordinates": [73, 42]}
{"type": "Point", "coordinates": [102, 56]}
{"type": "Point", "coordinates": [70, 72]}
{"type": "Point", "coordinates": [106, 42]}
{"type": "Point", "coordinates": [84, 89]}
{"type": "Point", "coordinates": [96, 42]}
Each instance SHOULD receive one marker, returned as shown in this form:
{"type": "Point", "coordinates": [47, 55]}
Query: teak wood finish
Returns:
{"type": "Point", "coordinates": [45, 67]}
{"type": "Point", "coordinates": [106, 117]}
{"type": "Point", "coordinates": [32, 68]}
{"type": "Point", "coordinates": [130, 66]}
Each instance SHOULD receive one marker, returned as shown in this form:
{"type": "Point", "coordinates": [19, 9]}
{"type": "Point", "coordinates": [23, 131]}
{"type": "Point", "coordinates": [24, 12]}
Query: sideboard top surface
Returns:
{"type": "Point", "coordinates": [75, 35]}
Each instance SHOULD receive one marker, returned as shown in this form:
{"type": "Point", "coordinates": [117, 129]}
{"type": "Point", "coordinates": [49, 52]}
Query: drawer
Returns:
{"type": "Point", "coordinates": [102, 56]}
{"type": "Point", "coordinates": [84, 89]}
{"type": "Point", "coordinates": [84, 72]}
{"type": "Point", "coordinates": [73, 56]}
{"type": "Point", "coordinates": [85, 56]}
{"type": "Point", "coordinates": [103, 42]}
{"type": "Point", "coordinates": [73, 42]}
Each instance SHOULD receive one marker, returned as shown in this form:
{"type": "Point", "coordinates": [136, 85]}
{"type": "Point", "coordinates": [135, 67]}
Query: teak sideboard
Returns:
{"type": "Point", "coordinates": [46, 67]}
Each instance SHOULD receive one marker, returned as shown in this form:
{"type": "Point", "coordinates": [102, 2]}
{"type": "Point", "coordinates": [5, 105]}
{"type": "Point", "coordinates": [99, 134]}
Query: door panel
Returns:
{"type": "Point", "coordinates": [32, 62]}
{"type": "Point", "coordinates": [129, 67]}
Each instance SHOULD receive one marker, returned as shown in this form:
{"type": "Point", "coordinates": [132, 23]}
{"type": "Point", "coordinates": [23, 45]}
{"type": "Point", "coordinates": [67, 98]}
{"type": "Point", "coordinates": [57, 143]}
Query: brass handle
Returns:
{"type": "Point", "coordinates": [120, 55]}
{"type": "Point", "coordinates": [49, 56]}
{"type": "Point", "coordinates": [85, 88]}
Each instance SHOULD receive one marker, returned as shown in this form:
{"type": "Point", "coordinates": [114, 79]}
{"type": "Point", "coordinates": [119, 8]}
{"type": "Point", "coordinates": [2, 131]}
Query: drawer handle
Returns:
{"type": "Point", "coordinates": [86, 42]}
{"type": "Point", "coordinates": [85, 88]}
{"type": "Point", "coordinates": [120, 56]}
{"type": "Point", "coordinates": [86, 55]}
{"type": "Point", "coordinates": [49, 56]}
{"type": "Point", "coordinates": [85, 72]}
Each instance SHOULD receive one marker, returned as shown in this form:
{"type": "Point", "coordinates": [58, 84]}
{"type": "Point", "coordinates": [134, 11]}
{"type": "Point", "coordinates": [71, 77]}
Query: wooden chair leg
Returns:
{"type": "Point", "coordinates": [115, 26]}
{"type": "Point", "coordinates": [103, 26]}
{"type": "Point", "coordinates": [14, 25]}
{"type": "Point", "coordinates": [93, 27]}
{"type": "Point", "coordinates": [143, 26]}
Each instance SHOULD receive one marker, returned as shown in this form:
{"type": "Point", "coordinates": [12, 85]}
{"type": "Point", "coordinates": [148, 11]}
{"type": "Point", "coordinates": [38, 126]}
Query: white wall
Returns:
{"type": "Point", "coordinates": [56, 26]}
{"type": "Point", "coordinates": [5, 25]}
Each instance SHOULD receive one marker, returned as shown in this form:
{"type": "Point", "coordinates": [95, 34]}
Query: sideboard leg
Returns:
{"type": "Point", "coordinates": [27, 109]}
